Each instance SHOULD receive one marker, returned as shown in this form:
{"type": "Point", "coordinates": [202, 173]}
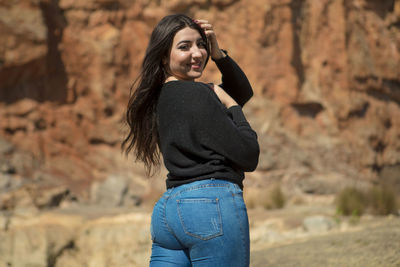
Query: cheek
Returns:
{"type": "Point", "coordinates": [178, 57]}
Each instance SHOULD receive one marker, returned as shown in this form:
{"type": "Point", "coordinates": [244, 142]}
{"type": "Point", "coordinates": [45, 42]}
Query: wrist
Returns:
{"type": "Point", "coordinates": [231, 104]}
{"type": "Point", "coordinates": [220, 54]}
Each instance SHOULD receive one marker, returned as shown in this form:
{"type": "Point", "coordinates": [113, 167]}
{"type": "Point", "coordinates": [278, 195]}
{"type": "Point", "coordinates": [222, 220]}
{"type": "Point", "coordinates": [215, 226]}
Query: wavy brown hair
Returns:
{"type": "Point", "coordinates": [141, 114]}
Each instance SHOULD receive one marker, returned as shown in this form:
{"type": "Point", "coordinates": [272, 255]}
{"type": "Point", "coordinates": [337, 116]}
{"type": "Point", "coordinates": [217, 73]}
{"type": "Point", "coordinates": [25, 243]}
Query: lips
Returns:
{"type": "Point", "coordinates": [196, 65]}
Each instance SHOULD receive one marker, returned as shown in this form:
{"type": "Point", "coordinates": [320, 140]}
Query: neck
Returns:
{"type": "Point", "coordinates": [170, 78]}
{"type": "Point", "coordinates": [173, 78]}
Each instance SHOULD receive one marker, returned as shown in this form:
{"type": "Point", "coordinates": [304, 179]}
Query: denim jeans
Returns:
{"type": "Point", "coordinates": [203, 223]}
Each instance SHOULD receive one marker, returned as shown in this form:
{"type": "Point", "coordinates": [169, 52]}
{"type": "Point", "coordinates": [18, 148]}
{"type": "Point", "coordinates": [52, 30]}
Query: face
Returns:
{"type": "Point", "coordinates": [188, 55]}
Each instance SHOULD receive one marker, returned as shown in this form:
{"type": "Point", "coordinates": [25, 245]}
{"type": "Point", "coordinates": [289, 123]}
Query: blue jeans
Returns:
{"type": "Point", "coordinates": [203, 223]}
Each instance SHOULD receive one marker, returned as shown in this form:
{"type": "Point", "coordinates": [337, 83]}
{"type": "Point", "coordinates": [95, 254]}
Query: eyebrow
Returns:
{"type": "Point", "coordinates": [184, 41]}
{"type": "Point", "coordinates": [188, 41]}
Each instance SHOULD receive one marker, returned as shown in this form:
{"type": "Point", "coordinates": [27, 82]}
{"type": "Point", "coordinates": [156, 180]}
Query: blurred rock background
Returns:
{"type": "Point", "coordinates": [326, 76]}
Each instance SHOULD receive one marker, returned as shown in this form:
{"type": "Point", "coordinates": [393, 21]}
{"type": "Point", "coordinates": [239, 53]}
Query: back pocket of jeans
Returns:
{"type": "Point", "coordinates": [200, 217]}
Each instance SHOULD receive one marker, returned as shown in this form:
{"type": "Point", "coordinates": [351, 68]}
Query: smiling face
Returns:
{"type": "Point", "coordinates": [187, 57]}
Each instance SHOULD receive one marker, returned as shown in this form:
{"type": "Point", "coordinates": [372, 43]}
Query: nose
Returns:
{"type": "Point", "coordinates": [196, 53]}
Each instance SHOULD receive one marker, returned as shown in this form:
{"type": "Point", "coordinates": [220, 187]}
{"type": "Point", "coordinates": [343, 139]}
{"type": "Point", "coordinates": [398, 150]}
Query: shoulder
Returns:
{"type": "Point", "coordinates": [183, 86]}
{"type": "Point", "coordinates": [188, 98]}
{"type": "Point", "coordinates": [187, 91]}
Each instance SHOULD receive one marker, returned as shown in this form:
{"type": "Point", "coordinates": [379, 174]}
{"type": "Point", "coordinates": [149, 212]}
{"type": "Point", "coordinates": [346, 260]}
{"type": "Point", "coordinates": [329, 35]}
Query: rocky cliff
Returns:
{"type": "Point", "coordinates": [326, 76]}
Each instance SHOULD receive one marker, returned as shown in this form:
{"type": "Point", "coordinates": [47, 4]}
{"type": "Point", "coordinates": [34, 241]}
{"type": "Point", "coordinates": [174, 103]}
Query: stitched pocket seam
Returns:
{"type": "Point", "coordinates": [201, 200]}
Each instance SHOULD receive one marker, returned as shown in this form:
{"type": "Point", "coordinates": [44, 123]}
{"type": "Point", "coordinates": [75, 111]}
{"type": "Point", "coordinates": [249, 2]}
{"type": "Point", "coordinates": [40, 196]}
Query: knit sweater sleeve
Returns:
{"type": "Point", "coordinates": [234, 80]}
{"type": "Point", "coordinates": [192, 113]}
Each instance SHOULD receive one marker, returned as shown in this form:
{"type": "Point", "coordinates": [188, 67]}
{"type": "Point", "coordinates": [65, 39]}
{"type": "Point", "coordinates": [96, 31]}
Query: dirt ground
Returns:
{"type": "Point", "coordinates": [375, 243]}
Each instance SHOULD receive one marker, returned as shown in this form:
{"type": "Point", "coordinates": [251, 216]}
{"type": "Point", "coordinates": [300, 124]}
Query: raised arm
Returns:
{"type": "Point", "coordinates": [234, 81]}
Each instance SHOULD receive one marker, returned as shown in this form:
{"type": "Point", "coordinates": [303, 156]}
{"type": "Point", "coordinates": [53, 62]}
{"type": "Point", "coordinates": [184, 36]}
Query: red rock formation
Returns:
{"type": "Point", "coordinates": [326, 76]}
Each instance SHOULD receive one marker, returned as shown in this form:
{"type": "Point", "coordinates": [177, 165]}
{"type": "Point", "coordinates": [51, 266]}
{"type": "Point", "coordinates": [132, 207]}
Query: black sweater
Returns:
{"type": "Point", "coordinates": [199, 137]}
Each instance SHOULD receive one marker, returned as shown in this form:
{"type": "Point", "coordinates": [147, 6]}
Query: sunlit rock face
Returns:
{"type": "Point", "coordinates": [326, 76]}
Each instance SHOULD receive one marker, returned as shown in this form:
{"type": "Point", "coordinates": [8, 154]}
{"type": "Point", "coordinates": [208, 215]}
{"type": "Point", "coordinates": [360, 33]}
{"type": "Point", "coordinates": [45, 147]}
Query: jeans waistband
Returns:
{"type": "Point", "coordinates": [201, 184]}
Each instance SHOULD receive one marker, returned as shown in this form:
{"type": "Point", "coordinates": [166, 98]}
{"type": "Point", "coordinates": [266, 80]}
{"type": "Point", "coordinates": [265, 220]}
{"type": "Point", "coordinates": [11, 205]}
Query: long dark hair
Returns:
{"type": "Point", "coordinates": [141, 114]}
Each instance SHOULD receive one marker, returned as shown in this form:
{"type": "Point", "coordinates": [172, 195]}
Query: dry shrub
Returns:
{"type": "Point", "coordinates": [378, 200]}
{"type": "Point", "coordinates": [382, 201]}
{"type": "Point", "coordinates": [272, 198]}
{"type": "Point", "coordinates": [276, 199]}
{"type": "Point", "coordinates": [350, 201]}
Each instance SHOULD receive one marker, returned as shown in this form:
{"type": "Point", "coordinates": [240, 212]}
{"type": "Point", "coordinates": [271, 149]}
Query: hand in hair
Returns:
{"type": "Point", "coordinates": [216, 52]}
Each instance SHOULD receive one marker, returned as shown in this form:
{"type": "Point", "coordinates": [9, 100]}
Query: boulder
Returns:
{"type": "Point", "coordinates": [110, 192]}
{"type": "Point", "coordinates": [318, 224]}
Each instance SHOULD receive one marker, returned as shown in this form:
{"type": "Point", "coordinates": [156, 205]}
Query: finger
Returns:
{"type": "Point", "coordinates": [206, 26]}
{"type": "Point", "coordinates": [209, 33]}
{"type": "Point", "coordinates": [201, 21]}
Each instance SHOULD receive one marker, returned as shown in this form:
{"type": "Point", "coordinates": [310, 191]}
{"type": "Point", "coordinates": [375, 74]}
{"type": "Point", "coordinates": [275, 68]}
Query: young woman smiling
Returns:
{"type": "Point", "coordinates": [206, 143]}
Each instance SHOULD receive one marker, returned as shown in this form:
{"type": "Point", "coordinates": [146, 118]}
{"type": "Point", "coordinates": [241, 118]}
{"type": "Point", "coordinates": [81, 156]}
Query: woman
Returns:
{"type": "Point", "coordinates": [205, 141]}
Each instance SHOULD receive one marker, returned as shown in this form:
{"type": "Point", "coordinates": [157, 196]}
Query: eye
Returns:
{"type": "Point", "coordinates": [201, 44]}
{"type": "Point", "coordinates": [183, 47]}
